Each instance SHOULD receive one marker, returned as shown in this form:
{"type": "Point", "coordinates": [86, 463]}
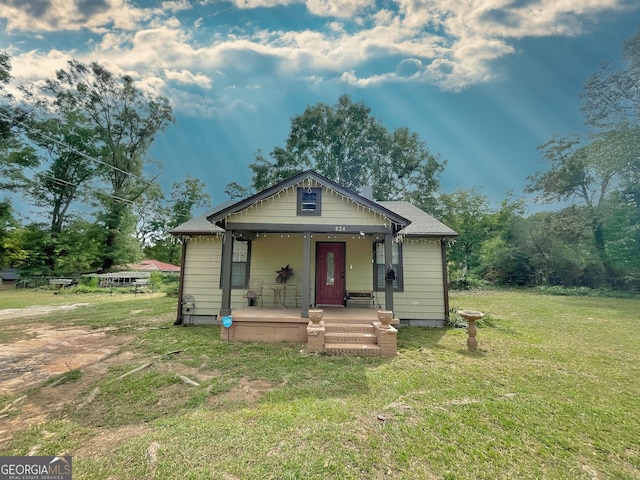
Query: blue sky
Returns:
{"type": "Point", "coordinates": [482, 82]}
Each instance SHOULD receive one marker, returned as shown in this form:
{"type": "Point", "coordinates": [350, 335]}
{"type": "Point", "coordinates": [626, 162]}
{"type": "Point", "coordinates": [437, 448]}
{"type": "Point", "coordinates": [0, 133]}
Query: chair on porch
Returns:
{"type": "Point", "coordinates": [254, 291]}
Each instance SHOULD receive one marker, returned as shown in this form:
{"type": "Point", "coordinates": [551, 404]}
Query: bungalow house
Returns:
{"type": "Point", "coordinates": [265, 263]}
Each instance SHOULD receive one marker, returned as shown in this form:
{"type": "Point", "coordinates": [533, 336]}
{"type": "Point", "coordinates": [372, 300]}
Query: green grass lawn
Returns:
{"type": "Point", "coordinates": [553, 392]}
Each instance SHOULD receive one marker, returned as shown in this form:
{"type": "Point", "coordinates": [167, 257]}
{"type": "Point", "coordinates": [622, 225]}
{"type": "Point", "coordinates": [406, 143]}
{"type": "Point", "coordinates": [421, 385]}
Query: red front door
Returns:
{"type": "Point", "coordinates": [330, 273]}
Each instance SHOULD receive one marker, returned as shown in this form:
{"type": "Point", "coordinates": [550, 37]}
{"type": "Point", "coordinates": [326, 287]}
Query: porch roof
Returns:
{"type": "Point", "coordinates": [411, 220]}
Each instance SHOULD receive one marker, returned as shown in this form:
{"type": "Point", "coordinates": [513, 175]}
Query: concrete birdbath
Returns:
{"type": "Point", "coordinates": [471, 317]}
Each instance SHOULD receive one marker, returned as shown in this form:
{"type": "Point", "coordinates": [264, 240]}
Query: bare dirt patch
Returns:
{"type": "Point", "coordinates": [36, 310]}
{"type": "Point", "coordinates": [246, 391]}
{"type": "Point", "coordinates": [42, 353]}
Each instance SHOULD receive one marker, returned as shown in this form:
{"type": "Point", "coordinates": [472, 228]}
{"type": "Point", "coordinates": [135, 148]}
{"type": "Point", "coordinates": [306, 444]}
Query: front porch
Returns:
{"type": "Point", "coordinates": [355, 331]}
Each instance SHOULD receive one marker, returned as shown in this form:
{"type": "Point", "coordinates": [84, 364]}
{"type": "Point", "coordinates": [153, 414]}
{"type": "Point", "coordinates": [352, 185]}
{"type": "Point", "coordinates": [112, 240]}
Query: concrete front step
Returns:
{"type": "Point", "coordinates": [352, 348]}
{"type": "Point", "coordinates": [351, 337]}
{"type": "Point", "coordinates": [349, 327]}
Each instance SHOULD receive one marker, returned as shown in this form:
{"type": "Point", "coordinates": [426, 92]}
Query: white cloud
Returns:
{"type": "Point", "coordinates": [176, 5]}
{"type": "Point", "coordinates": [250, 4]}
{"type": "Point", "coordinates": [338, 8]}
{"type": "Point", "coordinates": [57, 15]}
{"type": "Point", "coordinates": [452, 44]}
{"type": "Point", "coordinates": [188, 78]}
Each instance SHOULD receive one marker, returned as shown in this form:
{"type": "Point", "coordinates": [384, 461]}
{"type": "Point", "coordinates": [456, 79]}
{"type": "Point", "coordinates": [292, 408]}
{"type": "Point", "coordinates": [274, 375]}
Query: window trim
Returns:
{"type": "Point", "coordinates": [399, 271]}
{"type": "Point", "coordinates": [247, 267]}
{"type": "Point", "coordinates": [310, 213]}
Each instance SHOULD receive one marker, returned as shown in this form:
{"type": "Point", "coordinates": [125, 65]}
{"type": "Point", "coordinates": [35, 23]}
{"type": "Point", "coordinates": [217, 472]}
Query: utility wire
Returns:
{"type": "Point", "coordinates": [87, 187]}
{"type": "Point", "coordinates": [73, 149]}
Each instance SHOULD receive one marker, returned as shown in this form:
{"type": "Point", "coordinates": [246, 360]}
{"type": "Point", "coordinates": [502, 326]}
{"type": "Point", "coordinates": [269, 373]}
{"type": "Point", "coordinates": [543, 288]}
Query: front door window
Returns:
{"type": "Point", "coordinates": [331, 275]}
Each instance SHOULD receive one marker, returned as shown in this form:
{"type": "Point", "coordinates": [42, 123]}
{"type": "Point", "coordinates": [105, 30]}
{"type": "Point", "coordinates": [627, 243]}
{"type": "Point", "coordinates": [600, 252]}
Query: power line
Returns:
{"type": "Point", "coordinates": [86, 187]}
{"type": "Point", "coordinates": [73, 149]}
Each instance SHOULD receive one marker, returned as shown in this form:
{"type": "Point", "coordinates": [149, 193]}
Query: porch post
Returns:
{"type": "Point", "coordinates": [306, 274]}
{"type": "Point", "coordinates": [445, 278]}
{"type": "Point", "coordinates": [225, 273]}
{"type": "Point", "coordinates": [388, 262]}
{"type": "Point", "coordinates": [183, 257]}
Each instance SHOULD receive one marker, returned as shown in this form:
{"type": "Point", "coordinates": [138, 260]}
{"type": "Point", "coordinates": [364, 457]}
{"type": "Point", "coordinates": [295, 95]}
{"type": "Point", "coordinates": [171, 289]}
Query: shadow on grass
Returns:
{"type": "Point", "coordinates": [416, 338]}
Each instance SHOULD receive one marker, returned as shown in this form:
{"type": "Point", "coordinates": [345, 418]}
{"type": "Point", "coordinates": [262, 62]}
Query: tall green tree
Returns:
{"type": "Point", "coordinates": [591, 171]}
{"type": "Point", "coordinates": [158, 216]}
{"type": "Point", "coordinates": [126, 122]}
{"type": "Point", "coordinates": [483, 247]}
{"type": "Point", "coordinates": [7, 224]}
{"type": "Point", "coordinates": [15, 154]}
{"type": "Point", "coordinates": [345, 143]}
{"type": "Point", "coordinates": [466, 211]}
{"type": "Point", "coordinates": [70, 147]}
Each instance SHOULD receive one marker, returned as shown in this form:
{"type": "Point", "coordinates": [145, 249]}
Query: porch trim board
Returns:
{"type": "Point", "coordinates": [301, 228]}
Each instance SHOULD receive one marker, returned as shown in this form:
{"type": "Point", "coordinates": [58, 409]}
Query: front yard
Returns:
{"type": "Point", "coordinates": [552, 393]}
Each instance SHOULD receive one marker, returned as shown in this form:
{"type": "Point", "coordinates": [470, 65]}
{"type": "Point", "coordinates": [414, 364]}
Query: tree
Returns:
{"type": "Point", "coordinates": [157, 218]}
{"type": "Point", "coordinates": [70, 146]}
{"type": "Point", "coordinates": [466, 212]}
{"type": "Point", "coordinates": [15, 156]}
{"type": "Point", "coordinates": [594, 170]}
{"type": "Point", "coordinates": [185, 196]}
{"type": "Point", "coordinates": [347, 144]}
{"type": "Point", "coordinates": [126, 122]}
{"type": "Point", "coordinates": [7, 224]}
{"type": "Point", "coordinates": [613, 96]}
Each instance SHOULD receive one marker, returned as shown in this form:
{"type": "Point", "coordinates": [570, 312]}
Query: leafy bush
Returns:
{"type": "Point", "coordinates": [89, 281]}
{"type": "Point", "coordinates": [165, 282]}
{"type": "Point", "coordinates": [559, 290]}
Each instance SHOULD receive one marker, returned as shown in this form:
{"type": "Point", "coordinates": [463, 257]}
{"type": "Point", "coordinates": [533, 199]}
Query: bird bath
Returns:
{"type": "Point", "coordinates": [471, 317]}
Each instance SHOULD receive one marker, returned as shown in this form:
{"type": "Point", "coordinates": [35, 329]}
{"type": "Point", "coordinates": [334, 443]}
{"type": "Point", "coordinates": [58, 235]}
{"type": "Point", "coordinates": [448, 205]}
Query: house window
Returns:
{"type": "Point", "coordinates": [240, 263]}
{"type": "Point", "coordinates": [380, 267]}
{"type": "Point", "coordinates": [309, 201]}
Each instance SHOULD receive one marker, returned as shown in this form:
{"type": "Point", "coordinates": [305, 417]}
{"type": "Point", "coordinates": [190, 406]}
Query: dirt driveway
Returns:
{"type": "Point", "coordinates": [44, 352]}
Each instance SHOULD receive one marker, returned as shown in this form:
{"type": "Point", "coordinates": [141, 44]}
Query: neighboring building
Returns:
{"type": "Point", "coordinates": [8, 278]}
{"type": "Point", "coordinates": [345, 250]}
{"type": "Point", "coordinates": [153, 266]}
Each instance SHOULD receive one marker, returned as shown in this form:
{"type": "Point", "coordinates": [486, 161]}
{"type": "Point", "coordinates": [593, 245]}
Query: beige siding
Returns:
{"type": "Point", "coordinates": [202, 275]}
{"type": "Point", "coordinates": [272, 251]}
{"type": "Point", "coordinates": [423, 295]}
{"type": "Point", "coordinates": [282, 208]}
{"type": "Point", "coordinates": [359, 266]}
{"type": "Point", "coordinates": [422, 298]}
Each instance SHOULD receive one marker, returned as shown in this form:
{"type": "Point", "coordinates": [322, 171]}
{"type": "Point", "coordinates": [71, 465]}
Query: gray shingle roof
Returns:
{"type": "Point", "coordinates": [422, 224]}
{"type": "Point", "coordinates": [198, 225]}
